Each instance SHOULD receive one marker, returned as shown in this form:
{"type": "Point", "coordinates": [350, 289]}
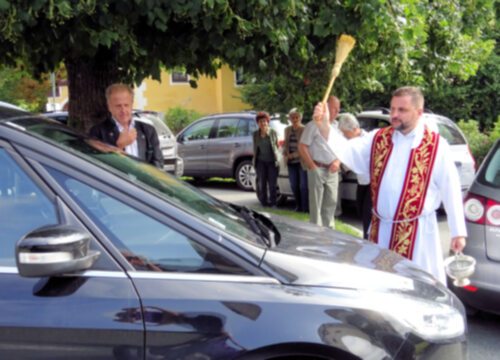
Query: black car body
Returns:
{"type": "Point", "coordinates": [102, 256]}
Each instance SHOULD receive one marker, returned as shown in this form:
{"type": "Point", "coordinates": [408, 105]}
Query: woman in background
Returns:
{"type": "Point", "coordinates": [265, 160]}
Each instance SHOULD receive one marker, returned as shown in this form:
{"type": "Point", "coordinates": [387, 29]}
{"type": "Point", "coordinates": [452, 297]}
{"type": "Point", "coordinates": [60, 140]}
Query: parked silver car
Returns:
{"type": "Point", "coordinates": [482, 214]}
{"type": "Point", "coordinates": [374, 119]}
{"type": "Point", "coordinates": [221, 145]}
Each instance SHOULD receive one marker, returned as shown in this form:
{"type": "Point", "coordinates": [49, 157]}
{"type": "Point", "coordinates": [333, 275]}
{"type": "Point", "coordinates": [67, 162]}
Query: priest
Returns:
{"type": "Point", "coordinates": [411, 172]}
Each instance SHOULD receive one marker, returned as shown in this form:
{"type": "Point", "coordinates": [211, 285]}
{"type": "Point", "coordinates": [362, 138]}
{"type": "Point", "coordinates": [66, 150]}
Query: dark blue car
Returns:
{"type": "Point", "coordinates": [105, 257]}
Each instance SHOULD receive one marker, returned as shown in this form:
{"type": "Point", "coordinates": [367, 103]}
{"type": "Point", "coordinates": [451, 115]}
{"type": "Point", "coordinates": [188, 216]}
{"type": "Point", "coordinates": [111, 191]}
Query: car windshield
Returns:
{"type": "Point", "coordinates": [159, 125]}
{"type": "Point", "coordinates": [183, 195]}
{"type": "Point", "coordinates": [447, 129]}
{"type": "Point", "coordinates": [490, 172]}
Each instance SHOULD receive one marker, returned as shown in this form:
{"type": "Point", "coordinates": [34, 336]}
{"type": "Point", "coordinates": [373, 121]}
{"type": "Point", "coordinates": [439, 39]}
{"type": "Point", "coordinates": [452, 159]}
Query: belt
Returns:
{"type": "Point", "coordinates": [321, 165]}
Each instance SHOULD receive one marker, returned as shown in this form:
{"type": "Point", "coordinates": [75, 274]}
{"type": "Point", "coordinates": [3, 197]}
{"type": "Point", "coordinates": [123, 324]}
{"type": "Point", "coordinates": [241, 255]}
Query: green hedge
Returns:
{"type": "Point", "coordinates": [479, 142]}
{"type": "Point", "coordinates": [177, 118]}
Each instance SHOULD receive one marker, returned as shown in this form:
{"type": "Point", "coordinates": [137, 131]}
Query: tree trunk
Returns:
{"type": "Point", "coordinates": [87, 82]}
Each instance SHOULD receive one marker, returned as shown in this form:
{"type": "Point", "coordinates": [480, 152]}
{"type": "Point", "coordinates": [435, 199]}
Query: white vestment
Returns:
{"type": "Point", "coordinates": [444, 186]}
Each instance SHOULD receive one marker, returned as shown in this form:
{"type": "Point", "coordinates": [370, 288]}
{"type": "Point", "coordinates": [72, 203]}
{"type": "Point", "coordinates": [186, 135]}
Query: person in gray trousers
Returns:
{"type": "Point", "coordinates": [322, 170]}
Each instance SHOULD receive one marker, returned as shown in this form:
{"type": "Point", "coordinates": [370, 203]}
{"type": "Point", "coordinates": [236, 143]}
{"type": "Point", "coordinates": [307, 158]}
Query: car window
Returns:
{"type": "Point", "coordinates": [253, 126]}
{"type": "Point", "coordinates": [145, 176]}
{"type": "Point", "coordinates": [491, 173]}
{"type": "Point", "coordinates": [199, 131]}
{"type": "Point", "coordinates": [228, 128]}
{"type": "Point", "coordinates": [148, 244]}
{"type": "Point", "coordinates": [450, 133]}
{"type": "Point", "coordinates": [243, 127]}
{"type": "Point", "coordinates": [369, 124]}
{"type": "Point", "coordinates": [23, 207]}
{"type": "Point", "coordinates": [160, 126]}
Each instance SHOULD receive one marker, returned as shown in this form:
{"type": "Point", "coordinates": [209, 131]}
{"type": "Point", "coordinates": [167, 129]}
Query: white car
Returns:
{"type": "Point", "coordinates": [374, 119]}
{"type": "Point", "coordinates": [168, 144]}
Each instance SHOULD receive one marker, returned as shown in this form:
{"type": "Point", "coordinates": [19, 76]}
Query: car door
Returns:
{"type": "Point", "coordinates": [198, 299]}
{"type": "Point", "coordinates": [193, 147]}
{"type": "Point", "coordinates": [77, 316]}
{"type": "Point", "coordinates": [230, 141]}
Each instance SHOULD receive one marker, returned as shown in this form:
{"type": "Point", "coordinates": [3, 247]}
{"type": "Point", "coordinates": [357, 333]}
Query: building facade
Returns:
{"type": "Point", "coordinates": [213, 95]}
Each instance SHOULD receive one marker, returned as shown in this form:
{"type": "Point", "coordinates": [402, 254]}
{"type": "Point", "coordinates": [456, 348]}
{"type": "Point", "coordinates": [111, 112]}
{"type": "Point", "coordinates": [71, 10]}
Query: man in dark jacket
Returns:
{"type": "Point", "coordinates": [121, 130]}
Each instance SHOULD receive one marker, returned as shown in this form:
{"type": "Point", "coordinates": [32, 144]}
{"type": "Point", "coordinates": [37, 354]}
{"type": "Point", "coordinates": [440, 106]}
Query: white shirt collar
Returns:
{"type": "Point", "coordinates": [415, 136]}
{"type": "Point", "coordinates": [120, 127]}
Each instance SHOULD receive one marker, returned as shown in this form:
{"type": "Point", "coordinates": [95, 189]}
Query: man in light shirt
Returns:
{"type": "Point", "coordinates": [121, 130]}
{"type": "Point", "coordinates": [322, 170]}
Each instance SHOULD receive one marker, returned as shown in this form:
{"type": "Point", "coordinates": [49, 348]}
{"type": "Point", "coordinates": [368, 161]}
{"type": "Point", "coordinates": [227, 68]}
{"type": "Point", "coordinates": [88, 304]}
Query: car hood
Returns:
{"type": "Point", "coordinates": [310, 255]}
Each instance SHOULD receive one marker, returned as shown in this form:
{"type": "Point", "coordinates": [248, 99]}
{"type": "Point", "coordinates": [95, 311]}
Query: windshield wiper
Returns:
{"type": "Point", "coordinates": [258, 226]}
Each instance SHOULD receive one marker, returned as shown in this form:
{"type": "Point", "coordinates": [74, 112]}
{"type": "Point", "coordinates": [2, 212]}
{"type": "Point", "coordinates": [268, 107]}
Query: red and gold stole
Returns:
{"type": "Point", "coordinates": [412, 198]}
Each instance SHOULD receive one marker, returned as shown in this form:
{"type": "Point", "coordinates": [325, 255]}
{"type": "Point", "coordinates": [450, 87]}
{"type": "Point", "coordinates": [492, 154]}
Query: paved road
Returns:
{"type": "Point", "coordinates": [484, 329]}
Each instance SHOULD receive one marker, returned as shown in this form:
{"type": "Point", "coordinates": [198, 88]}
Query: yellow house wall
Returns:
{"type": "Point", "coordinates": [212, 95]}
{"type": "Point", "coordinates": [231, 92]}
{"type": "Point", "coordinates": [60, 100]}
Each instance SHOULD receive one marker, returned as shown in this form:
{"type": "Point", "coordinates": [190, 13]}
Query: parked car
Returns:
{"type": "Point", "coordinates": [168, 145]}
{"type": "Point", "coordinates": [221, 145]}
{"type": "Point", "coordinates": [9, 105]}
{"type": "Point", "coordinates": [482, 214]}
{"type": "Point", "coordinates": [103, 256]}
{"type": "Point", "coordinates": [375, 119]}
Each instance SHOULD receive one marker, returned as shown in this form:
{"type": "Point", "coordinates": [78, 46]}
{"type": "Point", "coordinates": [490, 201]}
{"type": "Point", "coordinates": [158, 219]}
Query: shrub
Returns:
{"type": "Point", "coordinates": [479, 143]}
{"type": "Point", "coordinates": [177, 118]}
{"type": "Point", "coordinates": [495, 133]}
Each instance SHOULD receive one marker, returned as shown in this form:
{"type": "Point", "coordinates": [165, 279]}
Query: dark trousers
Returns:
{"type": "Point", "coordinates": [267, 177]}
{"type": "Point", "coordinates": [364, 206]}
{"type": "Point", "coordinates": [298, 182]}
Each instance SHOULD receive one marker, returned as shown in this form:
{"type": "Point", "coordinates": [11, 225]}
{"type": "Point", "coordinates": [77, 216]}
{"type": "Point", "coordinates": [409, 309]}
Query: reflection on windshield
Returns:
{"type": "Point", "coordinates": [142, 174]}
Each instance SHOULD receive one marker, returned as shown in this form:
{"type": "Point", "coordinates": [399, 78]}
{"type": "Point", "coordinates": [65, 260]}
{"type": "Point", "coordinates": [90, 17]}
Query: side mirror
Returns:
{"type": "Point", "coordinates": [54, 250]}
{"type": "Point", "coordinates": [180, 138]}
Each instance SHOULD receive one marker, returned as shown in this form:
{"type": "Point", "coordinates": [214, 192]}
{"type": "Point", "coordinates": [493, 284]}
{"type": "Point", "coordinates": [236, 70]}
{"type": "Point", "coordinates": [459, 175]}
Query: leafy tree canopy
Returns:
{"type": "Point", "coordinates": [102, 41]}
{"type": "Point", "coordinates": [435, 45]}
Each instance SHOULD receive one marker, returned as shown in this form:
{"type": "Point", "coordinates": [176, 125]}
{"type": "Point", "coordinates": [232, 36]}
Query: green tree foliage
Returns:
{"type": "Point", "coordinates": [177, 118]}
{"type": "Point", "coordinates": [474, 98]}
{"type": "Point", "coordinates": [19, 88]}
{"type": "Point", "coordinates": [405, 42]}
{"type": "Point", "coordinates": [104, 41]}
{"type": "Point", "coordinates": [479, 142]}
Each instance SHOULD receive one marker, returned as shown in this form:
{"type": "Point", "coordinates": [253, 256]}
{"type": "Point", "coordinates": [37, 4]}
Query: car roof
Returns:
{"type": "Point", "coordinates": [249, 114]}
{"type": "Point", "coordinates": [11, 106]}
{"type": "Point", "coordinates": [8, 111]}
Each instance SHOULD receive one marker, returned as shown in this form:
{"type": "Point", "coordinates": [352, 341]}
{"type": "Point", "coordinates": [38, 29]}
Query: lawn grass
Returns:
{"type": "Point", "coordinates": [339, 225]}
{"type": "Point", "coordinates": [209, 180]}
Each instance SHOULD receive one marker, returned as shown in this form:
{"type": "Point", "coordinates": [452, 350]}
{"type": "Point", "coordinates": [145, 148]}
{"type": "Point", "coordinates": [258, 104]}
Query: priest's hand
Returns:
{"type": "Point", "coordinates": [126, 137]}
{"type": "Point", "coordinates": [457, 244]}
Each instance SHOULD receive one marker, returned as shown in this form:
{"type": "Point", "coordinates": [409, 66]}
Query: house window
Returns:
{"type": "Point", "coordinates": [238, 77]}
{"type": "Point", "coordinates": [177, 77]}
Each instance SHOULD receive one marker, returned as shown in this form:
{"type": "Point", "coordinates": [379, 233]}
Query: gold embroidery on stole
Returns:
{"type": "Point", "coordinates": [412, 199]}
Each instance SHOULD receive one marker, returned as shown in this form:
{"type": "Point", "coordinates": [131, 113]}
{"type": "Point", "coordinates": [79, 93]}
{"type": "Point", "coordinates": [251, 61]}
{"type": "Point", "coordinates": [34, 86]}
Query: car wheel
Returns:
{"type": "Point", "coordinates": [244, 175]}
